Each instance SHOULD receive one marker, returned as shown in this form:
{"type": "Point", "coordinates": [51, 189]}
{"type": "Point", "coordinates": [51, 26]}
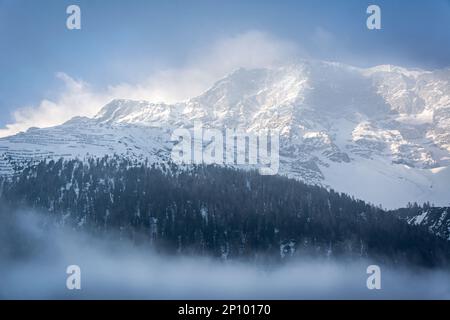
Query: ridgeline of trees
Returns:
{"type": "Point", "coordinates": [217, 211]}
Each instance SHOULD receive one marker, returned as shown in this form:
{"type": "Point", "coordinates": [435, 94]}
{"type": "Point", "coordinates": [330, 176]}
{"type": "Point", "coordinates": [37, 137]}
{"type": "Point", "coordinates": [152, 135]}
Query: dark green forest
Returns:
{"type": "Point", "coordinates": [215, 211]}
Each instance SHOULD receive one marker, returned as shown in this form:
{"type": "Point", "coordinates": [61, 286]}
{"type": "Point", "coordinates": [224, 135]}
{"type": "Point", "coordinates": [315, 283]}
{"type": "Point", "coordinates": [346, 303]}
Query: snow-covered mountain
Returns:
{"type": "Point", "coordinates": [381, 134]}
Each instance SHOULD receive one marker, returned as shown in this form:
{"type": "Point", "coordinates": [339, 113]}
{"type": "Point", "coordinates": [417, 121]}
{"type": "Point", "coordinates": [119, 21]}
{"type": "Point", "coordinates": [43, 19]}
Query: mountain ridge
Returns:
{"type": "Point", "coordinates": [381, 134]}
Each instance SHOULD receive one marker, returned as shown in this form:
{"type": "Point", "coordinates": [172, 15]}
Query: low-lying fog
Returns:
{"type": "Point", "coordinates": [33, 264]}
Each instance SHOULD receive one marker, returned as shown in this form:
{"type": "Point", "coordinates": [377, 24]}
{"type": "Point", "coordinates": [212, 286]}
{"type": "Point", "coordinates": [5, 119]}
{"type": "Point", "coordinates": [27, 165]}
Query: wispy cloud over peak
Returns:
{"type": "Point", "coordinates": [205, 65]}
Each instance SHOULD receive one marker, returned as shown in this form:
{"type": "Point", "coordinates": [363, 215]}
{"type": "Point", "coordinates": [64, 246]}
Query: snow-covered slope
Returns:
{"type": "Point", "coordinates": [435, 219]}
{"type": "Point", "coordinates": [381, 134]}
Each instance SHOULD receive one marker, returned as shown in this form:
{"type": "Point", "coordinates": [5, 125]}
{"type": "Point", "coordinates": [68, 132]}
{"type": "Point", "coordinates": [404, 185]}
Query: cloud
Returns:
{"type": "Point", "coordinates": [35, 252]}
{"type": "Point", "coordinates": [323, 39]}
{"type": "Point", "coordinates": [252, 49]}
{"type": "Point", "coordinates": [77, 99]}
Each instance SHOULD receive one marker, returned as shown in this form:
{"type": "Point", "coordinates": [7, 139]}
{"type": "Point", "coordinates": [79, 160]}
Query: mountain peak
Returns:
{"type": "Point", "coordinates": [334, 121]}
{"type": "Point", "coordinates": [115, 107]}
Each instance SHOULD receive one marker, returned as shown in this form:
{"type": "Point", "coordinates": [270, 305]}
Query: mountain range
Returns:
{"type": "Point", "coordinates": [380, 134]}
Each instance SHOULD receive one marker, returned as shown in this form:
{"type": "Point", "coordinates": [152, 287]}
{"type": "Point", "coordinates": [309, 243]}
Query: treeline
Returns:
{"type": "Point", "coordinates": [217, 211]}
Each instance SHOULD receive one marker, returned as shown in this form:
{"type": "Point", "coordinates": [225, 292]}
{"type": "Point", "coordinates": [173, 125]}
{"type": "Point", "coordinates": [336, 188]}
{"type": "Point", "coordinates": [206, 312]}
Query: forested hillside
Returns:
{"type": "Point", "coordinates": [217, 212]}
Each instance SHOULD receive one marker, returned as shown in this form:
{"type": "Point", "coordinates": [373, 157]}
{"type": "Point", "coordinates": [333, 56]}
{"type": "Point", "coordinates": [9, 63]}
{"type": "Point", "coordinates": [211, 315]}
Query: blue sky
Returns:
{"type": "Point", "coordinates": [126, 42]}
